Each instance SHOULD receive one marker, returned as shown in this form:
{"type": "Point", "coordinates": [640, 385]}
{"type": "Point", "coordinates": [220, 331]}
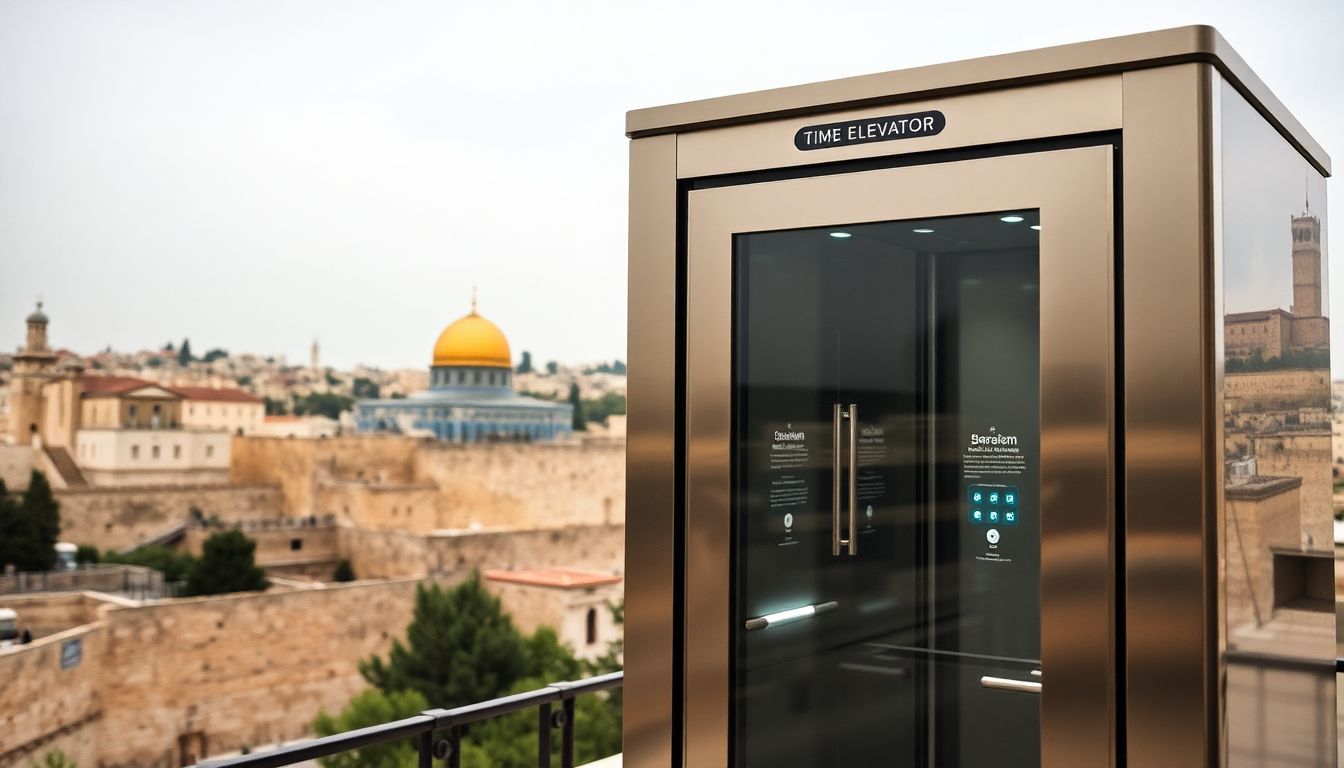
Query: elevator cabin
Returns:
{"type": "Point", "coordinates": [976, 416]}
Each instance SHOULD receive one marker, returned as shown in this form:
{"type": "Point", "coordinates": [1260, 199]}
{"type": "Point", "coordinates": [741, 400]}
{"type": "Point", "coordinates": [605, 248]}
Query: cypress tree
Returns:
{"type": "Point", "coordinates": [580, 422]}
{"type": "Point", "coordinates": [227, 564]}
{"type": "Point", "coordinates": [40, 514]}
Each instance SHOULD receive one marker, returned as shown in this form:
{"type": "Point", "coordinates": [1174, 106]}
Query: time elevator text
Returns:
{"type": "Point", "coordinates": [869, 129]}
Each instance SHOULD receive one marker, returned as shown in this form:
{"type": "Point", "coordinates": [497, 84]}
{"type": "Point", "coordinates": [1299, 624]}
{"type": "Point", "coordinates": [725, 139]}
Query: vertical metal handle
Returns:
{"type": "Point", "coordinates": [853, 479]}
{"type": "Point", "coordinates": [835, 482]}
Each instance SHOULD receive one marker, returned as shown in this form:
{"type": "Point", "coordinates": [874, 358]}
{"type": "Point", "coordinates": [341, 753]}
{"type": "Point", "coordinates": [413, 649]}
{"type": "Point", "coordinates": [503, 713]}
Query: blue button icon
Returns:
{"type": "Point", "coordinates": [977, 496]}
{"type": "Point", "coordinates": [1010, 498]}
{"type": "Point", "coordinates": [994, 497]}
{"type": "Point", "coordinates": [993, 515]}
{"type": "Point", "coordinates": [1010, 517]}
{"type": "Point", "coordinates": [977, 516]}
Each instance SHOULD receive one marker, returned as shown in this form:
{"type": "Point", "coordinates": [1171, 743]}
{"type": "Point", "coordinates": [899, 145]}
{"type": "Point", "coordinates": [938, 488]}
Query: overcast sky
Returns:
{"type": "Point", "coordinates": [254, 174]}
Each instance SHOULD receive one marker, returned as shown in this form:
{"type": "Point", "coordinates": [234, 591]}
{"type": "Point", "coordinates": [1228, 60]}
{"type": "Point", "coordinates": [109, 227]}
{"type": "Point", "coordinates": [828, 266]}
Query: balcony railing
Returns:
{"type": "Point", "coordinates": [438, 732]}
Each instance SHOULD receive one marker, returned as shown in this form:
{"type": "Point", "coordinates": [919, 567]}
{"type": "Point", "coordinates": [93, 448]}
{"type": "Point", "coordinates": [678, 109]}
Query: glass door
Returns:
{"type": "Point", "coordinates": [891, 390]}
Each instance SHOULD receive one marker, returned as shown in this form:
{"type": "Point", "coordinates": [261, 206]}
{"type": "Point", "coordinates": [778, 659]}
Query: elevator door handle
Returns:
{"type": "Point", "coordinates": [849, 541]}
{"type": "Point", "coordinates": [853, 479]}
{"type": "Point", "coordinates": [789, 616]}
{"type": "Point", "coordinates": [1009, 684]}
{"type": "Point", "coordinates": [836, 539]}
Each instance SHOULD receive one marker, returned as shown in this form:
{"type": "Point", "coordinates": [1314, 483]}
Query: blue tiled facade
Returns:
{"type": "Point", "coordinates": [466, 404]}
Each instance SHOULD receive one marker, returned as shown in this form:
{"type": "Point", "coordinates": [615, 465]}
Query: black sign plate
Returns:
{"type": "Point", "coordinates": [870, 129]}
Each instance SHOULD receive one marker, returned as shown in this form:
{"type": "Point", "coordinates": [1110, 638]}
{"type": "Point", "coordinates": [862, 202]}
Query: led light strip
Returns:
{"type": "Point", "coordinates": [791, 615]}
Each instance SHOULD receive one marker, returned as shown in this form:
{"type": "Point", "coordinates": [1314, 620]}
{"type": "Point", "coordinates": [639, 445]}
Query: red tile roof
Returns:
{"type": "Point", "coordinates": [219, 395]}
{"type": "Point", "coordinates": [111, 386]}
{"type": "Point", "coordinates": [563, 578]}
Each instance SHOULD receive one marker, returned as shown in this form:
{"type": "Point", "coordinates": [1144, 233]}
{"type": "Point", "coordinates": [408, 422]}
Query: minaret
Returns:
{"type": "Point", "coordinates": [1306, 265]}
{"type": "Point", "coordinates": [313, 352]}
{"type": "Point", "coordinates": [34, 367]}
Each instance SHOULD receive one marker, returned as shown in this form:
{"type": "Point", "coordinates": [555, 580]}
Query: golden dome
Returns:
{"type": "Point", "coordinates": [473, 341]}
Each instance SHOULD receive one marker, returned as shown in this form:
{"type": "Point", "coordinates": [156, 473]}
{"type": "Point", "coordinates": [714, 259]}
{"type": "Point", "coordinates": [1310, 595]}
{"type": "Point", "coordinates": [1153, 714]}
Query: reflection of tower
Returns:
{"type": "Point", "coordinates": [314, 355]}
{"type": "Point", "coordinates": [34, 366]}
{"type": "Point", "coordinates": [1306, 266]}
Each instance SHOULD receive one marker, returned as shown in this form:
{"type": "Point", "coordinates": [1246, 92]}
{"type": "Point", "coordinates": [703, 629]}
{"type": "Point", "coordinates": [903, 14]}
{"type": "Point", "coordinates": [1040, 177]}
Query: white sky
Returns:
{"type": "Point", "coordinates": [252, 174]}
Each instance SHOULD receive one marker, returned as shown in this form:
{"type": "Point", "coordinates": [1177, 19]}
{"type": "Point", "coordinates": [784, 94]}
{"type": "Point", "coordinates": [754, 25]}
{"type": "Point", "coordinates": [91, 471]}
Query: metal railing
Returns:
{"type": "Point", "coordinates": [131, 581]}
{"type": "Point", "coordinates": [438, 732]}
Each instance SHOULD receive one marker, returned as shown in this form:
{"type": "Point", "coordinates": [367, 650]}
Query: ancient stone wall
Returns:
{"type": "Point", "coordinates": [297, 465]}
{"type": "Point", "coordinates": [278, 546]}
{"type": "Point", "coordinates": [46, 705]}
{"type": "Point", "coordinates": [526, 485]}
{"type": "Point", "coordinates": [412, 507]}
{"type": "Point", "coordinates": [16, 466]}
{"type": "Point", "coordinates": [236, 670]}
{"type": "Point", "coordinates": [46, 613]}
{"type": "Point", "coordinates": [118, 518]}
{"type": "Point", "coordinates": [381, 554]}
{"type": "Point", "coordinates": [1262, 515]}
{"type": "Point", "coordinates": [1276, 390]}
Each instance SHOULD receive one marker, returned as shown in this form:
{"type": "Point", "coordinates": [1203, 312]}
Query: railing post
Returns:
{"type": "Point", "coordinates": [544, 735]}
{"type": "Point", "coordinates": [455, 748]}
{"type": "Point", "coordinates": [567, 737]}
{"type": "Point", "coordinates": [425, 748]}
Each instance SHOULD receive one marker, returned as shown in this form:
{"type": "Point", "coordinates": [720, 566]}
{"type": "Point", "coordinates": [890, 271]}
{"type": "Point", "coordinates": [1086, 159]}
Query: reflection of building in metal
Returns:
{"type": "Point", "coordinates": [471, 396]}
{"type": "Point", "coordinates": [1270, 333]}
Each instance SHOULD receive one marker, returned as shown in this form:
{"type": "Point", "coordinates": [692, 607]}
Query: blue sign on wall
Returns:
{"type": "Point", "coordinates": [72, 652]}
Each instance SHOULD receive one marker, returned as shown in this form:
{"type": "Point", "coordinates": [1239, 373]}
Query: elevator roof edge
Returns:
{"type": "Point", "coordinates": [1117, 54]}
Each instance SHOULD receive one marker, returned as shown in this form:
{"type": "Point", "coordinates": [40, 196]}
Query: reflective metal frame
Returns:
{"type": "Point", "coordinates": [1073, 190]}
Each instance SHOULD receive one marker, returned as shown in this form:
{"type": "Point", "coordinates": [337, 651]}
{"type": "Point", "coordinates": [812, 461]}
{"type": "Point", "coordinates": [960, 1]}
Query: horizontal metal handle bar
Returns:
{"type": "Point", "coordinates": [791, 615]}
{"type": "Point", "coordinates": [1008, 684]}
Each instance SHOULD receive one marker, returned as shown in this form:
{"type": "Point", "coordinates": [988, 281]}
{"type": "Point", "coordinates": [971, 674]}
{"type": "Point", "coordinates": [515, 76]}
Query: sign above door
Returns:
{"type": "Point", "coordinates": [869, 129]}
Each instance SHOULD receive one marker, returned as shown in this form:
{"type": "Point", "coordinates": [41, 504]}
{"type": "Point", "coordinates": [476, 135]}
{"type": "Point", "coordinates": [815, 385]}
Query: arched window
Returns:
{"type": "Point", "coordinates": [592, 626]}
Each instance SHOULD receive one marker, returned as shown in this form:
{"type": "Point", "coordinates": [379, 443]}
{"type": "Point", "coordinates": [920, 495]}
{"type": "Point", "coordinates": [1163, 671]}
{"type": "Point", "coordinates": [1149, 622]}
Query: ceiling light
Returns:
{"type": "Point", "coordinates": [1010, 219]}
{"type": "Point", "coordinates": [923, 231]}
{"type": "Point", "coordinates": [841, 235]}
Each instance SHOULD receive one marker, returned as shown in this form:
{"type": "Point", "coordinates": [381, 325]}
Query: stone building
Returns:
{"type": "Point", "coordinates": [470, 397]}
{"type": "Point", "coordinates": [1271, 333]}
{"type": "Point", "coordinates": [117, 430]}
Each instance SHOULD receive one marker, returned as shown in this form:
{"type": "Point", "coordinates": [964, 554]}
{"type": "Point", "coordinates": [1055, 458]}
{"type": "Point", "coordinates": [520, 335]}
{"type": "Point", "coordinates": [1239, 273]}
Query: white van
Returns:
{"type": "Point", "coordinates": [9, 627]}
{"type": "Point", "coordinates": [65, 556]}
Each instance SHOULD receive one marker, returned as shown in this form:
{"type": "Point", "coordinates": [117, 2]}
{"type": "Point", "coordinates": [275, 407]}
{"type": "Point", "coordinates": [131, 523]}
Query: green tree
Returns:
{"type": "Point", "coordinates": [552, 367]}
{"type": "Point", "coordinates": [175, 566]}
{"type": "Point", "coordinates": [599, 408]}
{"type": "Point", "coordinates": [460, 648]}
{"type": "Point", "coordinates": [364, 388]}
{"type": "Point", "coordinates": [276, 407]}
{"type": "Point", "coordinates": [227, 564]}
{"type": "Point", "coordinates": [344, 571]}
{"type": "Point", "coordinates": [53, 759]}
{"type": "Point", "coordinates": [30, 526]}
{"type": "Point", "coordinates": [580, 422]}
{"type": "Point", "coordinates": [331, 378]}
{"type": "Point", "coordinates": [184, 357]}
{"type": "Point", "coordinates": [86, 554]}
{"type": "Point", "coordinates": [525, 365]}
{"type": "Point", "coordinates": [322, 403]}
{"type": "Point", "coordinates": [372, 707]}
{"type": "Point", "coordinates": [214, 354]}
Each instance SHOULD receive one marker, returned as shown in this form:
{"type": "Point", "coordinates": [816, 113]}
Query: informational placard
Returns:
{"type": "Point", "coordinates": [871, 487]}
{"type": "Point", "coordinates": [72, 653]}
{"type": "Point", "coordinates": [991, 460]}
{"type": "Point", "coordinates": [790, 491]}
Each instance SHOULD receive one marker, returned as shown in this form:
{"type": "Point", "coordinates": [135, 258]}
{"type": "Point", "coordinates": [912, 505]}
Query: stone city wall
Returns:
{"type": "Point", "coordinates": [46, 706]}
{"type": "Point", "coordinates": [119, 518]}
{"type": "Point", "coordinates": [16, 466]}
{"type": "Point", "coordinates": [297, 465]}
{"type": "Point", "coordinates": [1260, 516]}
{"type": "Point", "coordinates": [1276, 390]}
{"type": "Point", "coordinates": [412, 507]}
{"type": "Point", "coordinates": [46, 613]}
{"type": "Point", "coordinates": [1305, 454]}
{"type": "Point", "coordinates": [278, 547]}
{"type": "Point", "coordinates": [526, 485]}
{"type": "Point", "coordinates": [382, 554]}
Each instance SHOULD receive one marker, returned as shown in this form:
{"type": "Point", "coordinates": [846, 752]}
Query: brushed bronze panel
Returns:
{"type": "Point", "coordinates": [1109, 56]}
{"type": "Point", "coordinates": [1012, 114]}
{"type": "Point", "coordinates": [1073, 190]}
{"type": "Point", "coordinates": [1172, 454]}
{"type": "Point", "coordinates": [650, 450]}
